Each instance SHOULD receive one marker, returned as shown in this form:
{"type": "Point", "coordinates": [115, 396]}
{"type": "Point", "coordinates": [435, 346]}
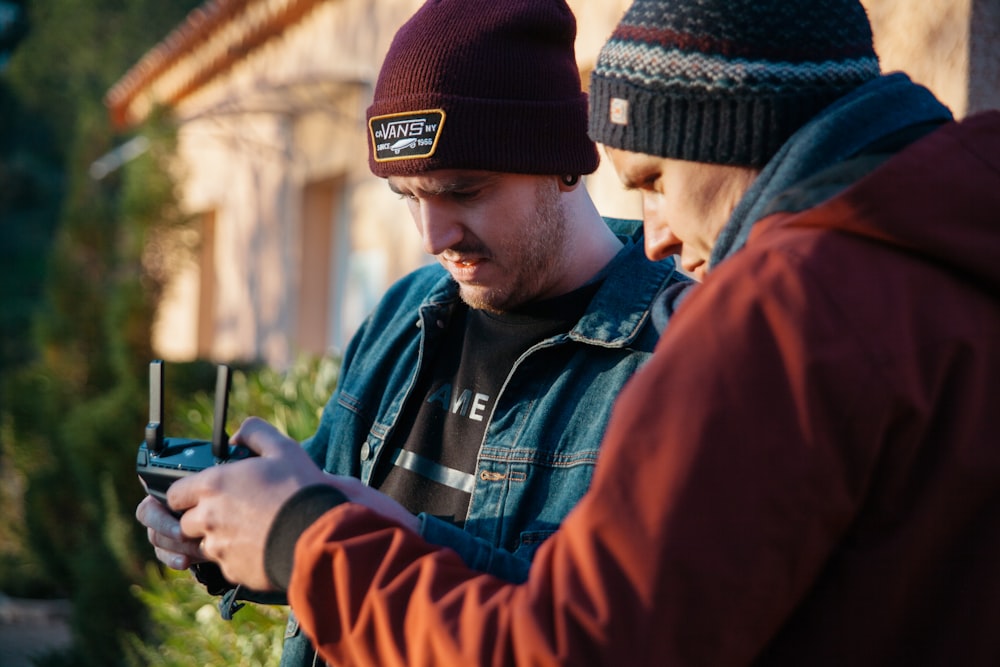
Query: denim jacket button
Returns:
{"type": "Point", "coordinates": [366, 451]}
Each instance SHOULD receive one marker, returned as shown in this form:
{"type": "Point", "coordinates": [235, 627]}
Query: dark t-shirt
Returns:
{"type": "Point", "coordinates": [436, 442]}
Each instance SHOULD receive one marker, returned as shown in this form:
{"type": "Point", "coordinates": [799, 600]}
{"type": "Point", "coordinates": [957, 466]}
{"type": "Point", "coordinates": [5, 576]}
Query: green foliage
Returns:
{"type": "Point", "coordinates": [82, 268]}
{"type": "Point", "coordinates": [74, 340]}
{"type": "Point", "coordinates": [291, 400]}
{"type": "Point", "coordinates": [189, 632]}
{"type": "Point", "coordinates": [31, 186]}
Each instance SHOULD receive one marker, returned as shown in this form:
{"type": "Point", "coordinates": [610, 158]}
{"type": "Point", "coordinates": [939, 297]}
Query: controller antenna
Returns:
{"type": "Point", "coordinates": [220, 439]}
{"type": "Point", "coordinates": [154, 429]}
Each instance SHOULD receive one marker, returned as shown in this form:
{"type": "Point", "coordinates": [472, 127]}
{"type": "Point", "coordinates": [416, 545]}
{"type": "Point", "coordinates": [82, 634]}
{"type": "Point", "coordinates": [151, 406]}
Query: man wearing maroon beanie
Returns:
{"type": "Point", "coordinates": [476, 394]}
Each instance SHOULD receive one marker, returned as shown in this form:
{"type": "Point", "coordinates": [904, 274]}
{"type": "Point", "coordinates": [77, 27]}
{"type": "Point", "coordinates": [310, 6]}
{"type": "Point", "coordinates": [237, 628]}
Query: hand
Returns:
{"type": "Point", "coordinates": [357, 492]}
{"type": "Point", "coordinates": [230, 508]}
{"type": "Point", "coordinates": [163, 530]}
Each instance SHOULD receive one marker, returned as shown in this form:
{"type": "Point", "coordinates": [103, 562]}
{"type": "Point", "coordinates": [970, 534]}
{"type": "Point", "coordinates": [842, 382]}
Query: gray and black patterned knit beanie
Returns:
{"type": "Point", "coordinates": [725, 81]}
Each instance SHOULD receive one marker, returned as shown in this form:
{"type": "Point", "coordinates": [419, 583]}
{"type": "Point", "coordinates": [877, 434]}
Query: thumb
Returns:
{"type": "Point", "coordinates": [262, 438]}
{"type": "Point", "coordinates": [185, 492]}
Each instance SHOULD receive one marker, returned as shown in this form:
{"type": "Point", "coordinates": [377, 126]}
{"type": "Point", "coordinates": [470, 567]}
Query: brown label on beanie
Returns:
{"type": "Point", "coordinates": [405, 136]}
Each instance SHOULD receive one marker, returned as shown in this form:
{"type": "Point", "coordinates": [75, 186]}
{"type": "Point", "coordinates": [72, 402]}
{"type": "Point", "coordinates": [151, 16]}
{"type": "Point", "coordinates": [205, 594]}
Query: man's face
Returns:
{"type": "Point", "coordinates": [502, 237]}
{"type": "Point", "coordinates": [684, 204]}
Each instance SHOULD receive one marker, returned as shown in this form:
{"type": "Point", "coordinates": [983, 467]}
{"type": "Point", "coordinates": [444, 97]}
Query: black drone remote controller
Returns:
{"type": "Point", "coordinates": [161, 461]}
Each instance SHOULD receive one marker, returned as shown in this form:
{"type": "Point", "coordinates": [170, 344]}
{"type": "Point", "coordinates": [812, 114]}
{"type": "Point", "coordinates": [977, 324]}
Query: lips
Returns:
{"type": "Point", "coordinates": [463, 259]}
{"type": "Point", "coordinates": [465, 269]}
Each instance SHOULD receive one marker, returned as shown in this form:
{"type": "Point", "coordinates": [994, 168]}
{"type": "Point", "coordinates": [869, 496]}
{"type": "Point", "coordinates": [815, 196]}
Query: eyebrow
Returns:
{"type": "Point", "coordinates": [628, 182]}
{"type": "Point", "coordinates": [637, 177]}
{"type": "Point", "coordinates": [456, 184]}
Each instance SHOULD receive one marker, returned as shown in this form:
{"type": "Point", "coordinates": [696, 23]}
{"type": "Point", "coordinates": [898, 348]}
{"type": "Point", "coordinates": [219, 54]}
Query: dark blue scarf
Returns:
{"type": "Point", "coordinates": [875, 110]}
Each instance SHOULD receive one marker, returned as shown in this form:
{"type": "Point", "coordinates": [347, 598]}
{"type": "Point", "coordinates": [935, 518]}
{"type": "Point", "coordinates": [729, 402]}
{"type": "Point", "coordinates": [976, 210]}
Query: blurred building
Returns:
{"type": "Point", "coordinates": [296, 239]}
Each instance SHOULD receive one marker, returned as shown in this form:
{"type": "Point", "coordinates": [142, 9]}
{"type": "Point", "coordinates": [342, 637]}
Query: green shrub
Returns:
{"type": "Point", "coordinates": [292, 400]}
{"type": "Point", "coordinates": [188, 630]}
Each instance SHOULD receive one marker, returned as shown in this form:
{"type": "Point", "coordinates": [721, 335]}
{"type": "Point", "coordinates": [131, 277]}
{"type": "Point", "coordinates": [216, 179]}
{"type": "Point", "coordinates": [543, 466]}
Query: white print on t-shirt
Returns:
{"type": "Point", "coordinates": [466, 404]}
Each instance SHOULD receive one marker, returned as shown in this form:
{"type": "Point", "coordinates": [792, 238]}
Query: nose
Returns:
{"type": "Point", "coordinates": [438, 227]}
{"type": "Point", "coordinates": [660, 241]}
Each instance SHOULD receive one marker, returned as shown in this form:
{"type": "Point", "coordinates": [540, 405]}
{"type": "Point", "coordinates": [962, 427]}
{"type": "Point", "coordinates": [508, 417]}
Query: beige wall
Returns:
{"type": "Point", "coordinates": [290, 116]}
{"type": "Point", "coordinates": [950, 46]}
{"type": "Point", "coordinates": [251, 143]}
{"type": "Point", "coordinates": [595, 21]}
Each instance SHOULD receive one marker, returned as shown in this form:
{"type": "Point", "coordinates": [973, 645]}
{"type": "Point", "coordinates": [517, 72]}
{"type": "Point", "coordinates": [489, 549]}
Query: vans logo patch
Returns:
{"type": "Point", "coordinates": [405, 136]}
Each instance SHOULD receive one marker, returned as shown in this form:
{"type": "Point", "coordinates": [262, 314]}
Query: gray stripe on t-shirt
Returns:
{"type": "Point", "coordinates": [434, 471]}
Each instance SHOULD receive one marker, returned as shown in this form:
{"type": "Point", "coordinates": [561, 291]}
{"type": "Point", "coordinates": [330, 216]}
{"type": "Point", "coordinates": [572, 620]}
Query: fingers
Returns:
{"type": "Point", "coordinates": [164, 533]}
{"type": "Point", "coordinates": [189, 547]}
{"type": "Point", "coordinates": [260, 437]}
{"type": "Point", "coordinates": [179, 561]}
{"type": "Point", "coordinates": [184, 493]}
{"type": "Point", "coordinates": [153, 515]}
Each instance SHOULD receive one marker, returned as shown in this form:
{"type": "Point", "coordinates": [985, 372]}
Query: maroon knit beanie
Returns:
{"type": "Point", "coordinates": [482, 84]}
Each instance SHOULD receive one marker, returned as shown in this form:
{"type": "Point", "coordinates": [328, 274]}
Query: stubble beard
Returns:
{"type": "Point", "coordinates": [541, 257]}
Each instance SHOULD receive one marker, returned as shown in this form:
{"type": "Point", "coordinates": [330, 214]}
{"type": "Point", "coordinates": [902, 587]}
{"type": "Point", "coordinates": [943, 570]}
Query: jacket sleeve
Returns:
{"type": "Point", "coordinates": [723, 486]}
{"type": "Point", "coordinates": [476, 552]}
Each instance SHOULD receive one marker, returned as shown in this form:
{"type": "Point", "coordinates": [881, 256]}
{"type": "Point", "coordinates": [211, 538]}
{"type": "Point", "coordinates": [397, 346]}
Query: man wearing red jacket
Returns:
{"type": "Point", "coordinates": [822, 486]}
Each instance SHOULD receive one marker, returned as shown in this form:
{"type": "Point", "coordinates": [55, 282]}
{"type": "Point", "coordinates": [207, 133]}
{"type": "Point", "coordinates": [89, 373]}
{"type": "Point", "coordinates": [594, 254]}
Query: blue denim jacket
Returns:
{"type": "Point", "coordinates": [542, 439]}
